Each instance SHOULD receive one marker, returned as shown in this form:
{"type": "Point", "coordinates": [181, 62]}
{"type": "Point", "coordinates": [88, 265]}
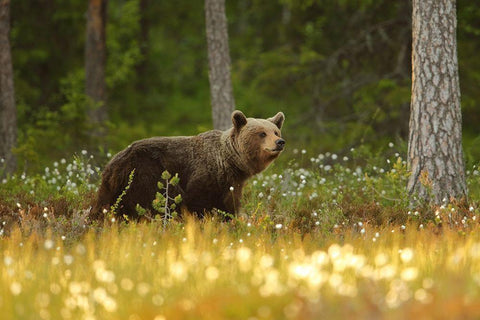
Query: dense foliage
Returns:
{"type": "Point", "coordinates": [340, 70]}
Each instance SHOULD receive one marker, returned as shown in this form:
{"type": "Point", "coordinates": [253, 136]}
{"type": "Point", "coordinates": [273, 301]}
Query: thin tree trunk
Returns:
{"type": "Point", "coordinates": [435, 153]}
{"type": "Point", "coordinates": [95, 58]}
{"type": "Point", "coordinates": [8, 113]}
{"type": "Point", "coordinates": [221, 92]}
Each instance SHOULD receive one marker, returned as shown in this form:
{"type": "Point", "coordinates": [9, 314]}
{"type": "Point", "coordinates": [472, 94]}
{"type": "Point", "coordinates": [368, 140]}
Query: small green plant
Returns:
{"type": "Point", "coordinates": [114, 207]}
{"type": "Point", "coordinates": [163, 202]}
{"type": "Point", "coordinates": [141, 211]}
{"type": "Point", "coordinates": [226, 215]}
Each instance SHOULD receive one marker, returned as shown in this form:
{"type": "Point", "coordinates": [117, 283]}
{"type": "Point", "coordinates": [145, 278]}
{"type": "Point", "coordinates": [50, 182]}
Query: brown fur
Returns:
{"type": "Point", "coordinates": [207, 164]}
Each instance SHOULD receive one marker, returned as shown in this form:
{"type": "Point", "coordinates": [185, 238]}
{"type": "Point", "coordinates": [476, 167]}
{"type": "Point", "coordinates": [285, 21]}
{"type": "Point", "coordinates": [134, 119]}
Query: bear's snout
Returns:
{"type": "Point", "coordinates": [280, 143]}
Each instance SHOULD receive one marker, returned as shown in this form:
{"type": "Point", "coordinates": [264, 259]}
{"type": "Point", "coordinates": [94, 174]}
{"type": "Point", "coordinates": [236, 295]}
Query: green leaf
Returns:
{"type": "Point", "coordinates": [140, 210]}
{"type": "Point", "coordinates": [166, 175]}
{"type": "Point", "coordinates": [178, 199]}
{"type": "Point", "coordinates": [175, 180]}
{"type": "Point", "coordinates": [160, 185]}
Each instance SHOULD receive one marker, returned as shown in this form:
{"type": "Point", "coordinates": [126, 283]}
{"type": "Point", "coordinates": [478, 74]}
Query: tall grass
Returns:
{"type": "Point", "coordinates": [200, 270]}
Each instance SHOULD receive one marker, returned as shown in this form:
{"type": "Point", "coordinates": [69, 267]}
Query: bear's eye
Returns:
{"type": "Point", "coordinates": [277, 134]}
{"type": "Point", "coordinates": [262, 134]}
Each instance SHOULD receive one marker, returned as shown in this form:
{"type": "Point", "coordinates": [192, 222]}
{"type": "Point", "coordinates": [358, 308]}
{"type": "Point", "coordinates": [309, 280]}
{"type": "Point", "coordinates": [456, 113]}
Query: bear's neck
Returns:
{"type": "Point", "coordinates": [233, 157]}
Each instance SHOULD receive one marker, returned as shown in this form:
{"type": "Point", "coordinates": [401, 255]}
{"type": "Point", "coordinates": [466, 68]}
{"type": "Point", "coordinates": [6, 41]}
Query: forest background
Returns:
{"type": "Point", "coordinates": [339, 70]}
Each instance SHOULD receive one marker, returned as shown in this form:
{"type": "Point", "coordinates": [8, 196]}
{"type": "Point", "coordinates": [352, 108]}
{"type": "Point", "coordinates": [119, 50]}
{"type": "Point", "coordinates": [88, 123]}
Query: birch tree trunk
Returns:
{"type": "Point", "coordinates": [8, 115]}
{"type": "Point", "coordinates": [221, 92]}
{"type": "Point", "coordinates": [435, 155]}
{"type": "Point", "coordinates": [95, 58]}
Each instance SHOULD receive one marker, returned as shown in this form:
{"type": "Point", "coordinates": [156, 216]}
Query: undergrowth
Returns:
{"type": "Point", "coordinates": [308, 193]}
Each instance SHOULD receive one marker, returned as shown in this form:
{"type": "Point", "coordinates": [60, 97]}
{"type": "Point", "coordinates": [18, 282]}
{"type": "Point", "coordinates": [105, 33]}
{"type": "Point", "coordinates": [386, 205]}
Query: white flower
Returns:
{"type": "Point", "coordinates": [406, 255]}
{"type": "Point", "coordinates": [48, 244]}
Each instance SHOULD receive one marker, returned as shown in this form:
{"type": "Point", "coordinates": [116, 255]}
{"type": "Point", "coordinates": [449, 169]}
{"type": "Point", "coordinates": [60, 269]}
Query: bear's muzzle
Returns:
{"type": "Point", "coordinates": [280, 144]}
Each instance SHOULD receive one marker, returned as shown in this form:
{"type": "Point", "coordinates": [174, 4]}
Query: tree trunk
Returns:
{"type": "Point", "coordinates": [8, 115]}
{"type": "Point", "coordinates": [435, 155]}
{"type": "Point", "coordinates": [95, 58]}
{"type": "Point", "coordinates": [221, 91]}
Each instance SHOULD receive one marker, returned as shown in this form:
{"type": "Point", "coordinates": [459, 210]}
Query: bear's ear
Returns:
{"type": "Point", "coordinates": [278, 120]}
{"type": "Point", "coordinates": [238, 120]}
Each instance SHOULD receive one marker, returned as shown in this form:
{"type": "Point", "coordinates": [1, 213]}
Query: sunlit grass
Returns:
{"type": "Point", "coordinates": [201, 270]}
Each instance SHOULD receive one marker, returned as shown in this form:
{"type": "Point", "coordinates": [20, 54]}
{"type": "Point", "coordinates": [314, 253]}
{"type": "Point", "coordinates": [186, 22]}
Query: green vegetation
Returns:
{"type": "Point", "coordinates": [321, 235]}
{"type": "Point", "coordinates": [340, 70]}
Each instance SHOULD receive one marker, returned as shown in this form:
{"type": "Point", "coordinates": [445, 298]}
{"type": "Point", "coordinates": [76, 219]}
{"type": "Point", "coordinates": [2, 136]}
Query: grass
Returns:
{"type": "Point", "coordinates": [326, 236]}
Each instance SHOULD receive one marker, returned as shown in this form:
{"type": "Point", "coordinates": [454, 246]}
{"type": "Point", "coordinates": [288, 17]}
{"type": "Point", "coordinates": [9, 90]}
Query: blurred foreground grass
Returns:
{"type": "Point", "coordinates": [201, 270]}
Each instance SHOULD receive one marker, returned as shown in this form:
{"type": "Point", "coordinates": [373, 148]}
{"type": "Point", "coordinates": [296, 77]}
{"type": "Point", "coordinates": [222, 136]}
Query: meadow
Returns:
{"type": "Point", "coordinates": [321, 236]}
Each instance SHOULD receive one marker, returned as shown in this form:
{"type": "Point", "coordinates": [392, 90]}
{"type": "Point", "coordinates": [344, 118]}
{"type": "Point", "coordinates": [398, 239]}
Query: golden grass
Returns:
{"type": "Point", "coordinates": [204, 270]}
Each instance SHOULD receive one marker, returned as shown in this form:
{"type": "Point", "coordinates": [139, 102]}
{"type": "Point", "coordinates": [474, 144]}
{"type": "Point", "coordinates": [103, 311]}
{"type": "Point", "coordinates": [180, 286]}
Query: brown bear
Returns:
{"type": "Point", "coordinates": [212, 166]}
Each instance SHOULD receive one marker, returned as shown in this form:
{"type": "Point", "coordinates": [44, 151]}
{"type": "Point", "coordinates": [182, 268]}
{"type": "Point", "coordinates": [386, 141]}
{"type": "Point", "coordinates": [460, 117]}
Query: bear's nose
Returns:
{"type": "Point", "coordinates": [280, 143]}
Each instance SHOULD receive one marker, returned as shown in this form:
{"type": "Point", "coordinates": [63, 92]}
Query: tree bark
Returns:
{"type": "Point", "coordinates": [95, 58]}
{"type": "Point", "coordinates": [221, 92]}
{"type": "Point", "coordinates": [435, 155]}
{"type": "Point", "coordinates": [8, 113]}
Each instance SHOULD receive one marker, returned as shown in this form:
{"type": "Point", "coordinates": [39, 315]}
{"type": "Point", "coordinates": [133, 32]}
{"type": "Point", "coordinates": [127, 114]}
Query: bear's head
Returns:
{"type": "Point", "coordinates": [258, 141]}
